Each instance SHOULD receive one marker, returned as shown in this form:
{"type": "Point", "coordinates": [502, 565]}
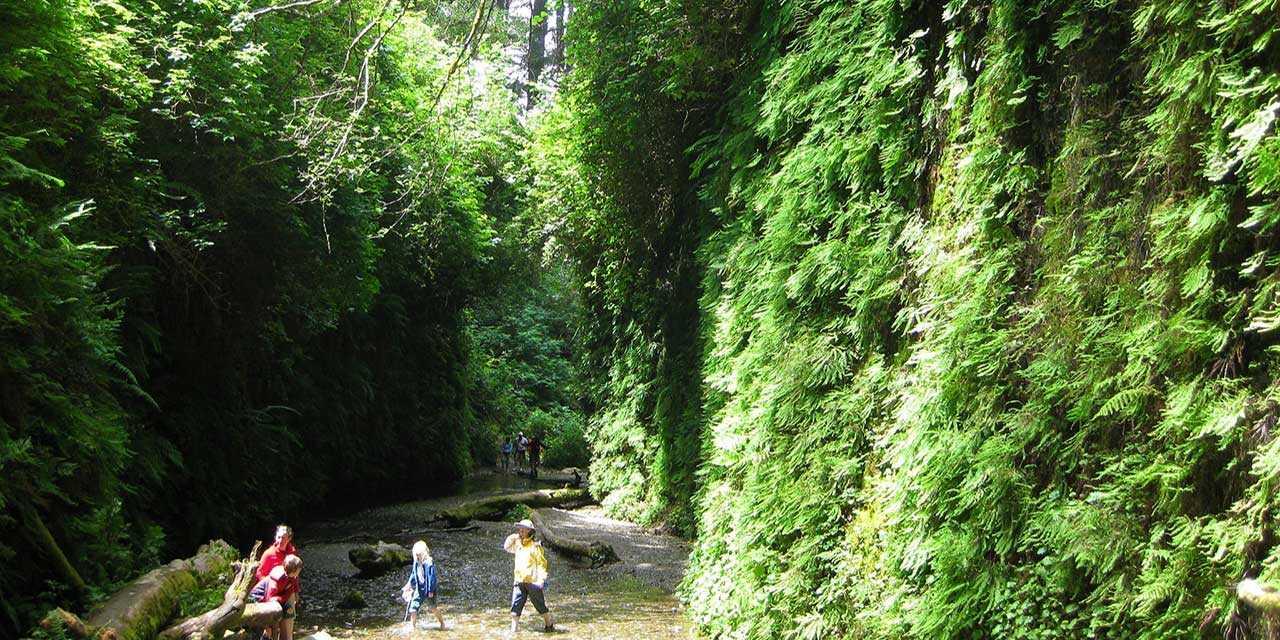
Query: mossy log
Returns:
{"type": "Point", "coordinates": [141, 608]}
{"type": "Point", "coordinates": [1260, 596]}
{"type": "Point", "coordinates": [568, 478]}
{"type": "Point", "coordinates": [496, 507]}
{"type": "Point", "coordinates": [595, 552]}
{"type": "Point", "coordinates": [234, 612]}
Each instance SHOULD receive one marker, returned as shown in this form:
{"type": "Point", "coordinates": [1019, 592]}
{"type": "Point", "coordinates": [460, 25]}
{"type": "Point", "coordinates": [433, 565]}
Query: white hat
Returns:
{"type": "Point", "coordinates": [527, 524]}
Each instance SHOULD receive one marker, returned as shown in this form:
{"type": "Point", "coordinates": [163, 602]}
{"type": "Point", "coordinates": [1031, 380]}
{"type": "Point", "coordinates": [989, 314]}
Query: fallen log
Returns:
{"type": "Point", "coordinates": [141, 608]}
{"type": "Point", "coordinates": [595, 552]}
{"type": "Point", "coordinates": [550, 476]}
{"type": "Point", "coordinates": [234, 612]}
{"type": "Point", "coordinates": [1260, 596]}
{"type": "Point", "coordinates": [260, 615]}
{"type": "Point", "coordinates": [497, 507]}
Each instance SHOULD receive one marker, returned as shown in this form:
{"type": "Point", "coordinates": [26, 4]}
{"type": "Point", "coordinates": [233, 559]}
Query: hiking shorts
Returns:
{"type": "Point", "coordinates": [418, 601]}
{"type": "Point", "coordinates": [526, 591]}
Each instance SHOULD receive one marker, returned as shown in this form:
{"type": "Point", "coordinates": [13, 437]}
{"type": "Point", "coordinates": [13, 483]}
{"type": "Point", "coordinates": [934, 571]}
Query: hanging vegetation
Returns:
{"type": "Point", "coordinates": [984, 336]}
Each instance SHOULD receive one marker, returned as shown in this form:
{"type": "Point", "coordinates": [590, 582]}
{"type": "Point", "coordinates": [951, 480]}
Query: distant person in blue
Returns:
{"type": "Point", "coordinates": [506, 454]}
{"type": "Point", "coordinates": [422, 585]}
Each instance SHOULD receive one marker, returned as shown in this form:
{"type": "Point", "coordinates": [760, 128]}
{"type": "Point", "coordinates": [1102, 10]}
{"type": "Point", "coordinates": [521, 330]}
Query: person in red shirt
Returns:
{"type": "Point", "coordinates": [282, 586]}
{"type": "Point", "coordinates": [276, 553]}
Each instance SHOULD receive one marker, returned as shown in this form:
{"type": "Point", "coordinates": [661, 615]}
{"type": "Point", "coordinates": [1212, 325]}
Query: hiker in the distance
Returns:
{"type": "Point", "coordinates": [506, 454]}
{"type": "Point", "coordinates": [522, 446]}
{"type": "Point", "coordinates": [530, 574]}
{"type": "Point", "coordinates": [535, 455]}
{"type": "Point", "coordinates": [422, 585]}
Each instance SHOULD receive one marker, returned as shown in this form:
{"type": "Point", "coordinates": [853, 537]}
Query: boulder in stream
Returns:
{"type": "Point", "coordinates": [377, 559]}
{"type": "Point", "coordinates": [353, 600]}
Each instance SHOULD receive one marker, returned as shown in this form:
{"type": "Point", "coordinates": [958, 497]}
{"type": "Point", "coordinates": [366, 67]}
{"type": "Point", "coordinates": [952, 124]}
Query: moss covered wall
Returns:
{"type": "Point", "coordinates": [987, 320]}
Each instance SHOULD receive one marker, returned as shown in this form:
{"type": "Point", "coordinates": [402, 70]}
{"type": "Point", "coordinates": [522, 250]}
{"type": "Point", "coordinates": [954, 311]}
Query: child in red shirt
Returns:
{"type": "Point", "coordinates": [275, 554]}
{"type": "Point", "coordinates": [281, 586]}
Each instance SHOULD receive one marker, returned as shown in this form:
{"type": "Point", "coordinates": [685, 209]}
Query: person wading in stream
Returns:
{"type": "Point", "coordinates": [422, 584]}
{"type": "Point", "coordinates": [530, 574]}
{"type": "Point", "coordinates": [535, 455]}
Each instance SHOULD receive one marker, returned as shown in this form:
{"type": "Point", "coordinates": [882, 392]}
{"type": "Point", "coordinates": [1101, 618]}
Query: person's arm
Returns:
{"type": "Point", "coordinates": [264, 564]}
{"type": "Point", "coordinates": [433, 580]}
{"type": "Point", "coordinates": [511, 542]}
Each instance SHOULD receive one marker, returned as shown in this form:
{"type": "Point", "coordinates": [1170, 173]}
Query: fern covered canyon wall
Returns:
{"type": "Point", "coordinates": [933, 319]}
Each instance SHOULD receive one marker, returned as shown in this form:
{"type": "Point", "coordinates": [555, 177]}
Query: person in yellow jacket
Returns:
{"type": "Point", "coordinates": [530, 574]}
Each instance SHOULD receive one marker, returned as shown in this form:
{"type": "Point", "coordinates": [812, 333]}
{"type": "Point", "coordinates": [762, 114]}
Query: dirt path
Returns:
{"type": "Point", "coordinates": [629, 600]}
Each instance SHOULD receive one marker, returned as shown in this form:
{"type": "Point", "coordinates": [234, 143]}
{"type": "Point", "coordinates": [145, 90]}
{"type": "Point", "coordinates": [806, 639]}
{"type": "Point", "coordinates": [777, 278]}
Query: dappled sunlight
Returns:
{"type": "Point", "coordinates": [627, 600]}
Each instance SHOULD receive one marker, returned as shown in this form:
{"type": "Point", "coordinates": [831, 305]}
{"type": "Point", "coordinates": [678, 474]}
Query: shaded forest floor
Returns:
{"type": "Point", "coordinates": [630, 599]}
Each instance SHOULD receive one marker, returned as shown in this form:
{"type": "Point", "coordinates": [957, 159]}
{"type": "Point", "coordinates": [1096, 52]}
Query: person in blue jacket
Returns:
{"type": "Point", "coordinates": [422, 585]}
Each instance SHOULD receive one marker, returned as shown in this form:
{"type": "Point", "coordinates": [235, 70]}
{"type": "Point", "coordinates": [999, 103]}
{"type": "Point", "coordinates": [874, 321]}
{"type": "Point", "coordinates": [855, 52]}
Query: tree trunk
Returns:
{"type": "Point", "coordinates": [44, 540]}
{"type": "Point", "coordinates": [497, 507]}
{"type": "Point", "coordinates": [557, 54]}
{"type": "Point", "coordinates": [141, 608]}
{"type": "Point", "coordinates": [234, 612]}
{"type": "Point", "coordinates": [537, 48]}
{"type": "Point", "coordinates": [595, 552]}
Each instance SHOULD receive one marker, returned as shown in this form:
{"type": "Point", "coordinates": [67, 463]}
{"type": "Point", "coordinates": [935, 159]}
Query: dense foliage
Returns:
{"type": "Point", "coordinates": [239, 247]}
{"type": "Point", "coordinates": [613, 189]}
{"type": "Point", "coordinates": [984, 340]}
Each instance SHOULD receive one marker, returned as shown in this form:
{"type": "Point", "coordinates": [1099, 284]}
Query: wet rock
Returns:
{"type": "Point", "coordinates": [377, 559]}
{"type": "Point", "coordinates": [353, 600]}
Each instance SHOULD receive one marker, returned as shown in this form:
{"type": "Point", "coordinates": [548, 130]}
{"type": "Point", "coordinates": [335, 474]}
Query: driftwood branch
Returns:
{"type": "Point", "coordinates": [249, 16]}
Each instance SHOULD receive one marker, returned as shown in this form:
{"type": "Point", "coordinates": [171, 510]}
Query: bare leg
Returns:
{"type": "Point", "coordinates": [413, 621]}
{"type": "Point", "coordinates": [546, 619]}
{"type": "Point", "coordinates": [439, 618]}
{"type": "Point", "coordinates": [515, 620]}
{"type": "Point", "coordinates": [286, 629]}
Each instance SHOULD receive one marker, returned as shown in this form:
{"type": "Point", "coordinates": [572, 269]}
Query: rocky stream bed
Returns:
{"type": "Point", "coordinates": [630, 599]}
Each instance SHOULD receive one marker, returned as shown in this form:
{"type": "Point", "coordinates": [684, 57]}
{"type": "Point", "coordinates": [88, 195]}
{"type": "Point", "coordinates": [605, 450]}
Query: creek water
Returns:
{"type": "Point", "coordinates": [627, 600]}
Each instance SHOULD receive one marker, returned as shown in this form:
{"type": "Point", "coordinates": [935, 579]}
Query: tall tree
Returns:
{"type": "Point", "coordinates": [557, 54]}
{"type": "Point", "coordinates": [537, 57]}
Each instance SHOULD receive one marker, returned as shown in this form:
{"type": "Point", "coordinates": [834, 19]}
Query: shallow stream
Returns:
{"type": "Point", "coordinates": [628, 600]}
